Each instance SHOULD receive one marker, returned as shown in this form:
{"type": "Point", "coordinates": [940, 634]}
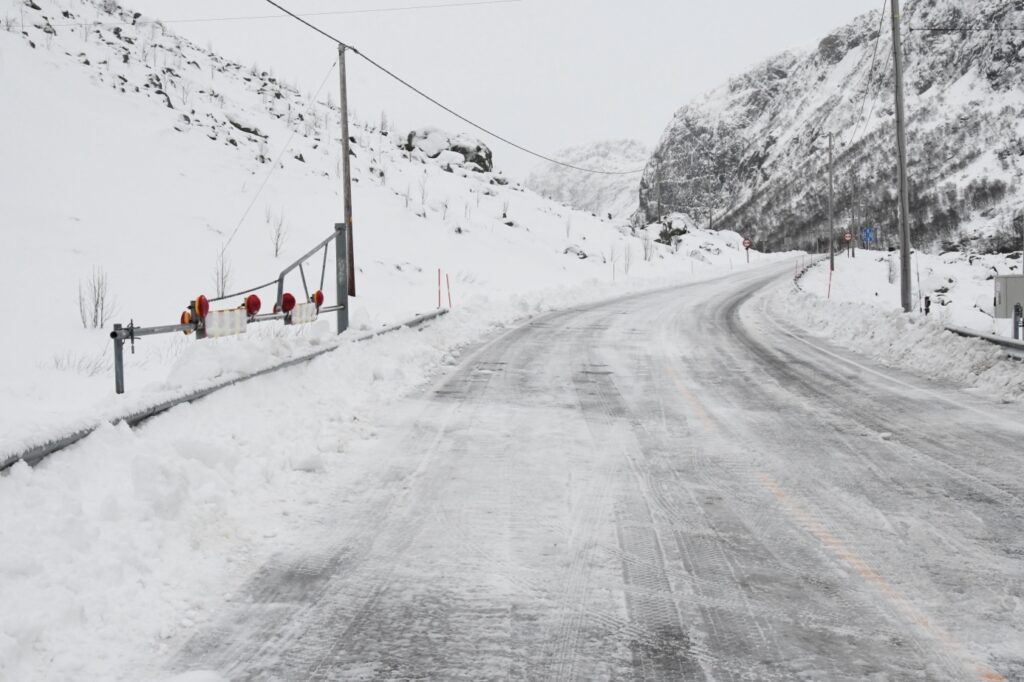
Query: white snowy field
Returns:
{"type": "Point", "coordinates": [861, 311]}
{"type": "Point", "coordinates": [131, 151]}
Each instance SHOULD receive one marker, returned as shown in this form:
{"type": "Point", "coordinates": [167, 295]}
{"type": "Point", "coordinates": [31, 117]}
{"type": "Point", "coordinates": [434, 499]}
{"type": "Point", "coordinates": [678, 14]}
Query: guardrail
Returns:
{"type": "Point", "coordinates": [1015, 348]}
{"type": "Point", "coordinates": [814, 260]}
{"type": "Point", "coordinates": [36, 453]}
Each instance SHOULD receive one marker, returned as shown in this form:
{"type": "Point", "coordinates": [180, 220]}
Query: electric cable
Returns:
{"type": "Point", "coordinates": [277, 162]}
{"type": "Point", "coordinates": [871, 72]}
{"type": "Point", "coordinates": [444, 107]}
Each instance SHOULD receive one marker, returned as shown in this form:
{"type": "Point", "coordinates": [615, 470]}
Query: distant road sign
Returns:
{"type": "Point", "coordinates": [848, 237]}
{"type": "Point", "coordinates": [747, 243]}
{"type": "Point", "coordinates": [868, 235]}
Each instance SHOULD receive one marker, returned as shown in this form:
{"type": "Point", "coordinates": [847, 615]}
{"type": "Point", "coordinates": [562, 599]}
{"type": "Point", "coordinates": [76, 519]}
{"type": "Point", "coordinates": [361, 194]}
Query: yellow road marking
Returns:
{"type": "Point", "coordinates": [809, 523]}
{"type": "Point", "coordinates": [690, 397]}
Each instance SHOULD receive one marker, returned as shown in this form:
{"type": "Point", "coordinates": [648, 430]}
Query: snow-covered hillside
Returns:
{"type": "Point", "coordinates": [132, 153]}
{"type": "Point", "coordinates": [754, 152]}
{"type": "Point", "coordinates": [605, 195]}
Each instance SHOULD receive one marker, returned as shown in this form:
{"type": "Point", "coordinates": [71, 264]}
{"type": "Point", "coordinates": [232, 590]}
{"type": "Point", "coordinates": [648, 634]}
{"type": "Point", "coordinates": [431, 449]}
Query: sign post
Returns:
{"type": "Point", "coordinates": [746, 245]}
{"type": "Point", "coordinates": [848, 237]}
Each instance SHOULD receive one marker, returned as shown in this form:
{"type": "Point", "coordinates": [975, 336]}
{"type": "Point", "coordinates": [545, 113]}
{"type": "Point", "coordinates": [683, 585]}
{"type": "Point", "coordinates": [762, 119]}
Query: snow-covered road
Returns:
{"type": "Point", "coordinates": [668, 486]}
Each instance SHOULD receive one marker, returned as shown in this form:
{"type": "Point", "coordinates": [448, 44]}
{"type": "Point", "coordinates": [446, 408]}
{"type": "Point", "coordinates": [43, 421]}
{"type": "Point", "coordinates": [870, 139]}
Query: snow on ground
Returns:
{"type": "Point", "coordinates": [171, 154]}
{"type": "Point", "coordinates": [863, 313]}
{"type": "Point", "coordinates": [113, 548]}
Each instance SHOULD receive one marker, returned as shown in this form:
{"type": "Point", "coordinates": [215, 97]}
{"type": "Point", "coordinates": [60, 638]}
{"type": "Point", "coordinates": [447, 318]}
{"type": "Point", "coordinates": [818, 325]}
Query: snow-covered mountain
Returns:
{"type": "Point", "coordinates": [753, 153]}
{"type": "Point", "coordinates": [604, 195]}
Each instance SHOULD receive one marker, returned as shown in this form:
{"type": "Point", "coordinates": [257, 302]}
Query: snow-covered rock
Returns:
{"type": "Point", "coordinates": [436, 144]}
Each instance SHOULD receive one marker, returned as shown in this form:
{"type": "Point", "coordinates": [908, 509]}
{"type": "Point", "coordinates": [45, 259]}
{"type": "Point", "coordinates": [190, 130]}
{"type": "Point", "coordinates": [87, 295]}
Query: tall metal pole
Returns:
{"type": "Point", "coordinates": [346, 170]}
{"type": "Point", "coordinates": [901, 144]}
{"type": "Point", "coordinates": [831, 225]}
{"type": "Point", "coordinates": [341, 269]}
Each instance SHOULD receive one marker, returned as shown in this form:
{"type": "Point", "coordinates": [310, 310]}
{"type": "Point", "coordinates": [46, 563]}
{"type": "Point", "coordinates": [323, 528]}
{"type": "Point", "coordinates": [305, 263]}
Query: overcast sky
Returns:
{"type": "Point", "coordinates": [545, 73]}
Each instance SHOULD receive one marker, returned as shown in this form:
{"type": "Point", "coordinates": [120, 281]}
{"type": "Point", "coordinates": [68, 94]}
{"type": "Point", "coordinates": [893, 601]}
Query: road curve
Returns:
{"type": "Point", "coordinates": [670, 486]}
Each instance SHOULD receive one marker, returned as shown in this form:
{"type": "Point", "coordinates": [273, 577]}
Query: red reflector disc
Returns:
{"type": "Point", "coordinates": [252, 304]}
{"type": "Point", "coordinates": [202, 307]}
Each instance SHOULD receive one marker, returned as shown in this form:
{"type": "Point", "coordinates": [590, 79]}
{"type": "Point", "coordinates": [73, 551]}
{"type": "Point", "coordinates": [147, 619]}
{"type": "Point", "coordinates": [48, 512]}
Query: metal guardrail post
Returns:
{"type": "Point", "coordinates": [118, 360]}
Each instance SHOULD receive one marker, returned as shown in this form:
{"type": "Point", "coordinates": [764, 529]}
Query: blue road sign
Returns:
{"type": "Point", "coordinates": [867, 235]}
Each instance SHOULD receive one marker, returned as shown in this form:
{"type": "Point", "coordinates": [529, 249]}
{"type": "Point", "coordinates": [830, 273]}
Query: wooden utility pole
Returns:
{"type": "Point", "coordinates": [901, 144]}
{"type": "Point", "coordinates": [346, 170]}
{"type": "Point", "coordinates": [831, 224]}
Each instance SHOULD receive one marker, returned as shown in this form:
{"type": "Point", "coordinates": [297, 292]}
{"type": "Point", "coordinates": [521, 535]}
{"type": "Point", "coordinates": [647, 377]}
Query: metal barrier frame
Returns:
{"type": "Point", "coordinates": [129, 333]}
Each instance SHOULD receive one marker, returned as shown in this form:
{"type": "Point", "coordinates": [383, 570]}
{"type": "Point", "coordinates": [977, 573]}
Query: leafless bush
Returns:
{"type": "Point", "coordinates": [89, 365]}
{"type": "Point", "coordinates": [444, 209]}
{"type": "Point", "coordinates": [568, 226]}
{"type": "Point", "coordinates": [278, 230]}
{"type": "Point", "coordinates": [95, 302]}
{"type": "Point", "coordinates": [186, 93]}
{"type": "Point", "coordinates": [222, 271]}
{"type": "Point", "coordinates": [613, 258]}
{"type": "Point", "coordinates": [627, 257]}
{"type": "Point", "coordinates": [648, 242]}
{"type": "Point", "coordinates": [504, 210]}
{"type": "Point", "coordinates": [407, 195]}
{"type": "Point", "coordinates": [423, 190]}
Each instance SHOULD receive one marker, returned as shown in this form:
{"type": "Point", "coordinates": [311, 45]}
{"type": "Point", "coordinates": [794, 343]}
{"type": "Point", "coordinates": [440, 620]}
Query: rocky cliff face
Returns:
{"type": "Point", "coordinates": [752, 155]}
{"type": "Point", "coordinates": [601, 194]}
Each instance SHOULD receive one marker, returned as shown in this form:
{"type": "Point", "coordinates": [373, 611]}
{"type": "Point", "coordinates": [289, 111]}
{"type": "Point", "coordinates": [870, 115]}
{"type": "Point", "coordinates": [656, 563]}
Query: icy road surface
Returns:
{"type": "Point", "coordinates": [670, 486]}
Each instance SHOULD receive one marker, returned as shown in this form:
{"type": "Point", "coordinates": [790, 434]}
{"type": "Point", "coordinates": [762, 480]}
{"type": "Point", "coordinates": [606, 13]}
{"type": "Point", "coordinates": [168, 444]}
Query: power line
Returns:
{"type": "Point", "coordinates": [446, 108]}
{"type": "Point", "coordinates": [258, 17]}
{"type": "Point", "coordinates": [276, 162]}
{"type": "Point", "coordinates": [871, 72]}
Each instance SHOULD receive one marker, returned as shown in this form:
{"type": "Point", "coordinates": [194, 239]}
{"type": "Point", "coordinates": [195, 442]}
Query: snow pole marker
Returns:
{"type": "Point", "coordinates": [829, 285]}
{"type": "Point", "coordinates": [449, 283]}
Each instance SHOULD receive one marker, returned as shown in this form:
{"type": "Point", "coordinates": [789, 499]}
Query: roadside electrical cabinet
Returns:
{"type": "Point", "coordinates": [1009, 292]}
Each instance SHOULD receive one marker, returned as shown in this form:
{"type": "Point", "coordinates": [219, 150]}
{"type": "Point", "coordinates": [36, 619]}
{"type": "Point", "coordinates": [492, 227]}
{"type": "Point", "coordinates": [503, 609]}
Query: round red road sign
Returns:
{"type": "Point", "coordinates": [747, 243]}
{"type": "Point", "coordinates": [848, 237]}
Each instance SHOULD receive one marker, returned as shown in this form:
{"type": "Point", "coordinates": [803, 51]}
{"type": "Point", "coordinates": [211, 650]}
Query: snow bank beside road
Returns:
{"type": "Point", "coordinates": [864, 316]}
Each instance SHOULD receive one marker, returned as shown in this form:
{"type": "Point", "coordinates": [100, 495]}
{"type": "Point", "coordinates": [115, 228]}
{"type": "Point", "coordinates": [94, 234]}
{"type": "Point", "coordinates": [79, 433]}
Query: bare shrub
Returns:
{"type": "Point", "coordinates": [648, 242]}
{"type": "Point", "coordinates": [423, 190]}
{"type": "Point", "coordinates": [278, 230]}
{"type": "Point", "coordinates": [627, 257]}
{"type": "Point", "coordinates": [95, 302]}
{"type": "Point", "coordinates": [88, 365]}
{"type": "Point", "coordinates": [222, 271]}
